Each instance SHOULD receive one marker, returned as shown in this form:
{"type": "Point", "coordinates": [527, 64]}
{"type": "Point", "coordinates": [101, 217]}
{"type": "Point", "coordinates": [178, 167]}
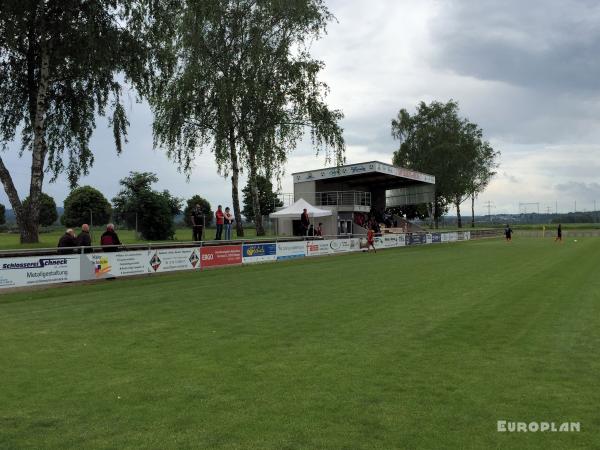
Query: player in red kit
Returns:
{"type": "Point", "coordinates": [371, 240]}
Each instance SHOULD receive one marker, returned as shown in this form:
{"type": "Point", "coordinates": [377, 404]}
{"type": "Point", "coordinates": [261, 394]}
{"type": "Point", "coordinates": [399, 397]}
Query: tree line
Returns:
{"type": "Point", "coordinates": [436, 140]}
{"type": "Point", "coordinates": [233, 77]}
{"type": "Point", "coordinates": [138, 206]}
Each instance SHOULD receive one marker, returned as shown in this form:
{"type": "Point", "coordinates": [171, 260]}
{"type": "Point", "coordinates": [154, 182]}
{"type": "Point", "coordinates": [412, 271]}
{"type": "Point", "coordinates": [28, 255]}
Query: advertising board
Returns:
{"type": "Point", "coordinates": [34, 270]}
{"type": "Point", "coordinates": [253, 253]}
{"type": "Point", "coordinates": [114, 264]}
{"type": "Point", "coordinates": [222, 255]}
{"type": "Point", "coordinates": [291, 250]}
{"type": "Point", "coordinates": [171, 259]}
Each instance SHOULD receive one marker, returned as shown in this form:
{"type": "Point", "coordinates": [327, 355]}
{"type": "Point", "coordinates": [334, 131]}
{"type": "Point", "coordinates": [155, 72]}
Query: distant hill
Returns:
{"type": "Point", "coordinates": [11, 218]}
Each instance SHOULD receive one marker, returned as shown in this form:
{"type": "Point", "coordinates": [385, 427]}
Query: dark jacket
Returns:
{"type": "Point", "coordinates": [66, 244]}
{"type": "Point", "coordinates": [109, 237]}
{"type": "Point", "coordinates": [84, 240]}
{"type": "Point", "coordinates": [197, 217]}
{"type": "Point", "coordinates": [304, 220]}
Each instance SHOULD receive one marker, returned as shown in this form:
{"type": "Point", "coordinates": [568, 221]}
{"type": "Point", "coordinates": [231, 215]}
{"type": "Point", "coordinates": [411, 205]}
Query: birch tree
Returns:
{"type": "Point", "coordinates": [62, 64]}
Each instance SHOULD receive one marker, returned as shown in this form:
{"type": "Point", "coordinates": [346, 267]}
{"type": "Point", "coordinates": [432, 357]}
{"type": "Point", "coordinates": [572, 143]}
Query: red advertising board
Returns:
{"type": "Point", "coordinates": [223, 255]}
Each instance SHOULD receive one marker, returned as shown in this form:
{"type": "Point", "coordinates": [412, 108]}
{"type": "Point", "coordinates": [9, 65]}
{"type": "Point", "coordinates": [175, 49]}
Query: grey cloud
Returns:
{"type": "Point", "coordinates": [582, 192]}
{"type": "Point", "coordinates": [511, 178]}
{"type": "Point", "coordinates": [549, 44]}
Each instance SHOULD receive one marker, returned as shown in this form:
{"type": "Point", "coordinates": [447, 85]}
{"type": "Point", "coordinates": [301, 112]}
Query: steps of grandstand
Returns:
{"type": "Point", "coordinates": [402, 226]}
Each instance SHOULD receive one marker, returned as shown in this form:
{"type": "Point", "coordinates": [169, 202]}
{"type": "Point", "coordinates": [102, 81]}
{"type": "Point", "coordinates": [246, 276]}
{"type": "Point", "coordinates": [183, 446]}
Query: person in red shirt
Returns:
{"type": "Point", "coordinates": [220, 217]}
{"type": "Point", "coordinates": [319, 230]}
{"type": "Point", "coordinates": [371, 240]}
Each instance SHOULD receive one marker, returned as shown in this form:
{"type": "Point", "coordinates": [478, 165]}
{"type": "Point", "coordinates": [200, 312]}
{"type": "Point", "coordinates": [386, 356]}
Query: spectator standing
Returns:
{"type": "Point", "coordinates": [319, 230]}
{"type": "Point", "coordinates": [220, 218]}
{"type": "Point", "coordinates": [305, 222]}
{"type": "Point", "coordinates": [197, 217]}
{"type": "Point", "coordinates": [84, 239]}
{"type": "Point", "coordinates": [558, 234]}
{"type": "Point", "coordinates": [508, 233]}
{"type": "Point", "coordinates": [109, 238]}
{"type": "Point", "coordinates": [228, 220]}
{"type": "Point", "coordinates": [67, 242]}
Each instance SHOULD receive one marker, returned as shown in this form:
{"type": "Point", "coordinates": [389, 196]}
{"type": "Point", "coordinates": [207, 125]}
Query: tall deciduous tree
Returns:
{"type": "Point", "coordinates": [61, 65]}
{"type": "Point", "coordinates": [483, 173]}
{"type": "Point", "coordinates": [283, 96]}
{"type": "Point", "coordinates": [86, 205]}
{"type": "Point", "coordinates": [243, 84]}
{"type": "Point", "coordinates": [437, 141]}
{"type": "Point", "coordinates": [151, 212]}
{"type": "Point", "coordinates": [268, 200]}
{"type": "Point", "coordinates": [47, 209]}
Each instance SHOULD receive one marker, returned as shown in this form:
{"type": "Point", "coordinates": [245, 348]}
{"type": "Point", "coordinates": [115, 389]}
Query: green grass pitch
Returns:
{"type": "Point", "coordinates": [408, 348]}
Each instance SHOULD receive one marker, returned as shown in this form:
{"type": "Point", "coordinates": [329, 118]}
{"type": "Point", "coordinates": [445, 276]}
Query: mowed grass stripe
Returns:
{"type": "Point", "coordinates": [410, 348]}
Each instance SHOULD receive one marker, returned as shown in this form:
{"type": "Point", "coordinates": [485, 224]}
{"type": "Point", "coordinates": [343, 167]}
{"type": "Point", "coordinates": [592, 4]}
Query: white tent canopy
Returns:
{"type": "Point", "coordinates": [294, 211]}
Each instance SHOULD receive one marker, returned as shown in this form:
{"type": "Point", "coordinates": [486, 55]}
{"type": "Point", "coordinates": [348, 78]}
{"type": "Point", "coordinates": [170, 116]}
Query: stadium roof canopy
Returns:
{"type": "Point", "coordinates": [372, 173]}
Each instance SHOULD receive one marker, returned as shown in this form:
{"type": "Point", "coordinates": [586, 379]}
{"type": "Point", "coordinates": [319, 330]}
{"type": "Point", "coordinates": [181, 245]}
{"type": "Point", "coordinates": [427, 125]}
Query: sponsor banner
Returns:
{"type": "Point", "coordinates": [291, 250]}
{"type": "Point", "coordinates": [416, 239]}
{"type": "Point", "coordinates": [328, 247]}
{"type": "Point", "coordinates": [453, 237]}
{"type": "Point", "coordinates": [401, 240]}
{"type": "Point", "coordinates": [390, 240]}
{"type": "Point", "coordinates": [110, 265]}
{"type": "Point", "coordinates": [378, 242]}
{"type": "Point", "coordinates": [344, 245]}
{"type": "Point", "coordinates": [428, 238]}
{"type": "Point", "coordinates": [223, 255]}
{"type": "Point", "coordinates": [436, 238]}
{"type": "Point", "coordinates": [318, 247]}
{"type": "Point", "coordinates": [467, 235]}
{"type": "Point", "coordinates": [34, 270]}
{"type": "Point", "coordinates": [170, 259]}
{"type": "Point", "coordinates": [253, 253]}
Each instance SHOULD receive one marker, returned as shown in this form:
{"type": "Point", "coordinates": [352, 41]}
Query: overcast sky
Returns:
{"type": "Point", "coordinates": [527, 72]}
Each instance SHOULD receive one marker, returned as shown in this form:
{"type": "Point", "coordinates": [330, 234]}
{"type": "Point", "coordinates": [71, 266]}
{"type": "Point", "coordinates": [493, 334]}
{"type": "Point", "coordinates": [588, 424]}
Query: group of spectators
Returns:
{"type": "Point", "coordinates": [367, 221]}
{"type": "Point", "coordinates": [69, 242]}
{"type": "Point", "coordinates": [223, 219]}
{"type": "Point", "coordinates": [309, 229]}
{"type": "Point", "coordinates": [373, 219]}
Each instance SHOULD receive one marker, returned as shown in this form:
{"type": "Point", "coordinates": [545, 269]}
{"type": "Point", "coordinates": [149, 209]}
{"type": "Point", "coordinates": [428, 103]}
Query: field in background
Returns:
{"type": "Point", "coordinates": [424, 347]}
{"type": "Point", "coordinates": [50, 239]}
{"type": "Point", "coordinates": [534, 227]}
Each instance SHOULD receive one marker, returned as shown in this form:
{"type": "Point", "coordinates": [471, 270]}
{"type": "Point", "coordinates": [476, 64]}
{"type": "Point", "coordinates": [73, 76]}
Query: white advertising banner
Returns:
{"type": "Point", "coordinates": [291, 250]}
{"type": "Point", "coordinates": [170, 259]}
{"type": "Point", "coordinates": [317, 247]}
{"type": "Point", "coordinates": [328, 247]}
{"type": "Point", "coordinates": [428, 238]}
{"type": "Point", "coordinates": [378, 242]}
{"type": "Point", "coordinates": [344, 245]}
{"type": "Point", "coordinates": [117, 264]}
{"type": "Point", "coordinates": [452, 237]}
{"type": "Point", "coordinates": [34, 270]}
{"type": "Point", "coordinates": [391, 240]}
{"type": "Point", "coordinates": [401, 240]}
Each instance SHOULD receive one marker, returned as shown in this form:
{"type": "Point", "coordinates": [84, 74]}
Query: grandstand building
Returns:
{"type": "Point", "coordinates": [355, 191]}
